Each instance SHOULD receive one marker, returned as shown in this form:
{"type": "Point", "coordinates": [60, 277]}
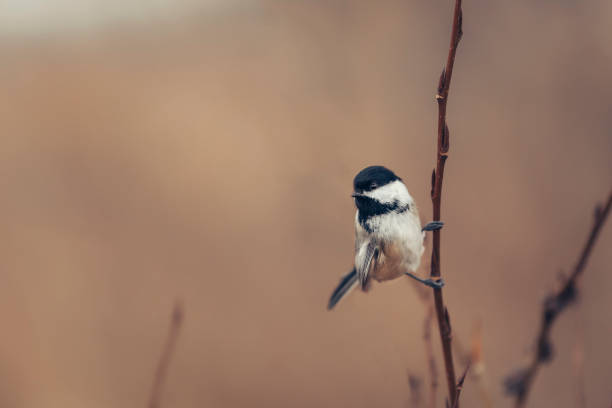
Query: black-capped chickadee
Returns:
{"type": "Point", "coordinates": [388, 233]}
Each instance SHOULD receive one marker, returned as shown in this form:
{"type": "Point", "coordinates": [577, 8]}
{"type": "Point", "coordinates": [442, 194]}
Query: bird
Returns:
{"type": "Point", "coordinates": [388, 234]}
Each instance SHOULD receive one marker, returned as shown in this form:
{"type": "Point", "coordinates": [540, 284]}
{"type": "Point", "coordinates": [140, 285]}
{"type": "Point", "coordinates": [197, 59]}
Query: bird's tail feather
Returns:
{"type": "Point", "coordinates": [347, 283]}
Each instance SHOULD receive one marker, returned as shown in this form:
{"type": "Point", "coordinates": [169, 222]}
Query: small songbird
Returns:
{"type": "Point", "coordinates": [388, 233]}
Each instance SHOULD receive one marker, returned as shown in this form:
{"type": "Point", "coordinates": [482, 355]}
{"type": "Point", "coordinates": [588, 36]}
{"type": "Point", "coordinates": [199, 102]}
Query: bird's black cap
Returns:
{"type": "Point", "coordinates": [373, 177]}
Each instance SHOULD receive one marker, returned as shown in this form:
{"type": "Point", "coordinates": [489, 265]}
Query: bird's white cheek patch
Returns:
{"type": "Point", "coordinates": [392, 192]}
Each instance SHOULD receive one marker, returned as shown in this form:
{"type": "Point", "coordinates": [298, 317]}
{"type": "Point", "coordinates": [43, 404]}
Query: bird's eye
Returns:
{"type": "Point", "coordinates": [373, 185]}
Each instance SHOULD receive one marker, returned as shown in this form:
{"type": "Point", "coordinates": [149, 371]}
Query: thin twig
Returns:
{"type": "Point", "coordinates": [415, 390]}
{"type": "Point", "coordinates": [459, 386]}
{"type": "Point", "coordinates": [520, 382]}
{"type": "Point", "coordinates": [436, 198]}
{"type": "Point", "coordinates": [164, 359]}
{"type": "Point", "coordinates": [474, 358]}
{"type": "Point", "coordinates": [431, 360]}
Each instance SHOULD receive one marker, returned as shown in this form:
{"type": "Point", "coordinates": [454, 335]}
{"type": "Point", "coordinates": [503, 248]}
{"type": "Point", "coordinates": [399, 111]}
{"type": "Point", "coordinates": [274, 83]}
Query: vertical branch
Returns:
{"type": "Point", "coordinates": [164, 359]}
{"type": "Point", "coordinates": [415, 390]}
{"type": "Point", "coordinates": [431, 360]}
{"type": "Point", "coordinates": [436, 198]}
{"type": "Point", "coordinates": [519, 384]}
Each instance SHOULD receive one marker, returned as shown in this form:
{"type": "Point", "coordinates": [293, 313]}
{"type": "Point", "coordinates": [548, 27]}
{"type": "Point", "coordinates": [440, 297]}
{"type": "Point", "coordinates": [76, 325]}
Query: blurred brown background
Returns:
{"type": "Point", "coordinates": [205, 152]}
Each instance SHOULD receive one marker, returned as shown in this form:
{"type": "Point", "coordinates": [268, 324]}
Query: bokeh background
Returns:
{"type": "Point", "coordinates": [204, 151]}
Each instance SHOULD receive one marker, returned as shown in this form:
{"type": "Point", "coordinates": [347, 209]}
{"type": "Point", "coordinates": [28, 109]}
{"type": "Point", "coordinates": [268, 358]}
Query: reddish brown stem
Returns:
{"type": "Point", "coordinates": [459, 385]}
{"type": "Point", "coordinates": [436, 198]}
{"type": "Point", "coordinates": [164, 360]}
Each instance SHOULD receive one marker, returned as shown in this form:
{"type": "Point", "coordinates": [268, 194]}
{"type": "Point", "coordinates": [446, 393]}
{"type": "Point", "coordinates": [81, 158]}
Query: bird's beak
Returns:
{"type": "Point", "coordinates": [355, 195]}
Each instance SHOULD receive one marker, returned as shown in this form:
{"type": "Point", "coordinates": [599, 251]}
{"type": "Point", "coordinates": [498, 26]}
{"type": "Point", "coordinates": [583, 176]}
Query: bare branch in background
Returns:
{"type": "Point", "coordinates": [431, 360]}
{"type": "Point", "coordinates": [436, 198]}
{"type": "Point", "coordinates": [415, 383]}
{"type": "Point", "coordinates": [519, 383]}
{"type": "Point", "coordinates": [167, 352]}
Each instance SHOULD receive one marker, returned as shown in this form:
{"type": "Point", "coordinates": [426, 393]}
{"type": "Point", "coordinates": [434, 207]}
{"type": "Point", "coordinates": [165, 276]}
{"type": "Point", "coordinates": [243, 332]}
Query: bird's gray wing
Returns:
{"type": "Point", "coordinates": [367, 254]}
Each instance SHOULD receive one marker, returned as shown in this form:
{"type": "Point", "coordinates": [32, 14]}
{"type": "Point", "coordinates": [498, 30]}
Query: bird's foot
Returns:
{"type": "Point", "coordinates": [436, 283]}
{"type": "Point", "coordinates": [433, 226]}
